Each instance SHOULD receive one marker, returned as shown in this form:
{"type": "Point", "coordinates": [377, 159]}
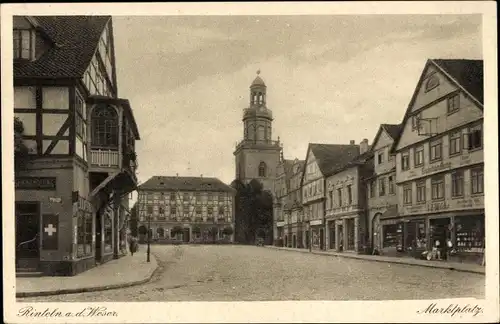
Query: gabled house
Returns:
{"type": "Point", "coordinates": [280, 192]}
{"type": "Point", "coordinates": [72, 198]}
{"type": "Point", "coordinates": [440, 161]}
{"type": "Point", "coordinates": [345, 203]}
{"type": "Point", "coordinates": [381, 187]}
{"type": "Point", "coordinates": [320, 160]}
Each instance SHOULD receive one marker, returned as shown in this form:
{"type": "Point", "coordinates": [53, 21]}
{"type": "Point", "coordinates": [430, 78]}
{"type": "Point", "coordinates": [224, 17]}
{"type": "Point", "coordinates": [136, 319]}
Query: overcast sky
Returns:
{"type": "Point", "coordinates": [329, 79]}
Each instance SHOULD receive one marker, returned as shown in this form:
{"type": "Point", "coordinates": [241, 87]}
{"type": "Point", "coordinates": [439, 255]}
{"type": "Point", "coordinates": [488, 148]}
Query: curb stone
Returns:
{"type": "Point", "coordinates": [90, 289]}
{"type": "Point", "coordinates": [437, 266]}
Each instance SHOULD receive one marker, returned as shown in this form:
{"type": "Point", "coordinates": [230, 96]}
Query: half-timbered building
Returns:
{"type": "Point", "coordinates": [72, 197]}
{"type": "Point", "coordinates": [185, 209]}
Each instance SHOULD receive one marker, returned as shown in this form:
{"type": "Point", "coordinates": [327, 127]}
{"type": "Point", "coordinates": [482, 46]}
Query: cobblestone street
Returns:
{"type": "Point", "coordinates": [247, 273]}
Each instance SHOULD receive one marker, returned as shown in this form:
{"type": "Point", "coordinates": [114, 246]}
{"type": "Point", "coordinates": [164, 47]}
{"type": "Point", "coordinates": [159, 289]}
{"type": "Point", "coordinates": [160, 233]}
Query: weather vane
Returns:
{"type": "Point", "coordinates": [258, 71]}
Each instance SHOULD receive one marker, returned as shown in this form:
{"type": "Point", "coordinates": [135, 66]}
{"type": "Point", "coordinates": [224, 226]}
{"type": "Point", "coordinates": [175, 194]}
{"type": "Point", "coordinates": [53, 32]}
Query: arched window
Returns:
{"type": "Point", "coordinates": [104, 126]}
{"type": "Point", "coordinates": [262, 169]}
{"type": "Point", "coordinates": [261, 133]}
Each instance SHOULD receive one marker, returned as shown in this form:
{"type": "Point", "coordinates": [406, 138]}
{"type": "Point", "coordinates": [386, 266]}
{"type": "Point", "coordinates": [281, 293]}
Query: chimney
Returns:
{"type": "Point", "coordinates": [352, 142]}
{"type": "Point", "coordinates": [177, 175]}
{"type": "Point", "coordinates": [201, 175]}
{"type": "Point", "coordinates": [363, 146]}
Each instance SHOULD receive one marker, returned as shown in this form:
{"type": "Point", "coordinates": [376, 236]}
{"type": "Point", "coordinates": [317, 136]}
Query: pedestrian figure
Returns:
{"type": "Point", "coordinates": [133, 245]}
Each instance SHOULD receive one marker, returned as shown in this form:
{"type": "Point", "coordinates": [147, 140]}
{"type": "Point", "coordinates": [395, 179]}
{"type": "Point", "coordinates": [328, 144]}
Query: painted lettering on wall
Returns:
{"type": "Point", "coordinates": [436, 168]}
{"type": "Point", "coordinates": [35, 183]}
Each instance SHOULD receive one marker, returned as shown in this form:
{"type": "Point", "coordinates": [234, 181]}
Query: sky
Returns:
{"type": "Point", "coordinates": [330, 79]}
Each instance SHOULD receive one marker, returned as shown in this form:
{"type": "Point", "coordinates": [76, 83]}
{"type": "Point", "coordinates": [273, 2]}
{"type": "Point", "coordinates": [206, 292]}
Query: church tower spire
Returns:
{"type": "Point", "coordinates": [257, 154]}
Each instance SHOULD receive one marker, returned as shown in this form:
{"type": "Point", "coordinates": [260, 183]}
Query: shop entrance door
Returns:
{"type": "Point", "coordinates": [27, 235]}
{"type": "Point", "coordinates": [294, 241]}
{"type": "Point", "coordinates": [186, 235]}
{"type": "Point", "coordinates": [308, 240]}
{"type": "Point", "coordinates": [332, 238]}
{"type": "Point", "coordinates": [322, 239]}
{"type": "Point", "coordinates": [439, 231]}
{"type": "Point", "coordinates": [340, 232]}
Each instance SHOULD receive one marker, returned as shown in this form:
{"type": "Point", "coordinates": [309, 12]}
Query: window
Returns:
{"type": "Point", "coordinates": [173, 211]}
{"type": "Point", "coordinates": [475, 137]}
{"type": "Point", "coordinates": [23, 44]}
{"type": "Point", "coordinates": [453, 103]}
{"type": "Point", "coordinates": [172, 196]}
{"type": "Point", "coordinates": [349, 194]}
{"type": "Point", "coordinates": [405, 161]}
{"type": "Point", "coordinates": [210, 211]}
{"type": "Point", "coordinates": [198, 211]}
{"type": "Point", "coordinates": [436, 149]}
{"type": "Point", "coordinates": [84, 229]}
{"type": "Point", "coordinates": [150, 209]}
{"type": "Point", "coordinates": [415, 121]}
{"type": "Point", "coordinates": [209, 196]}
{"type": "Point", "coordinates": [185, 197]}
{"type": "Point", "coordinates": [437, 187]}
{"type": "Point", "coordinates": [391, 185]}
{"type": "Point", "coordinates": [381, 187]}
{"type": "Point", "coordinates": [380, 157]}
{"type": "Point", "coordinates": [262, 169]}
{"type": "Point", "coordinates": [373, 185]}
{"type": "Point", "coordinates": [455, 146]}
{"type": "Point", "coordinates": [431, 83]}
{"type": "Point", "coordinates": [477, 181]}
{"type": "Point", "coordinates": [419, 156]}
{"type": "Point", "coordinates": [330, 196]}
{"type": "Point", "coordinates": [339, 195]}
{"type": "Point", "coordinates": [421, 191]}
{"type": "Point", "coordinates": [407, 194]}
{"type": "Point", "coordinates": [221, 211]}
{"type": "Point", "coordinates": [104, 126]}
{"type": "Point", "coordinates": [161, 210]}
{"type": "Point", "coordinates": [80, 119]}
{"type": "Point", "coordinates": [457, 184]}
{"type": "Point", "coordinates": [221, 197]}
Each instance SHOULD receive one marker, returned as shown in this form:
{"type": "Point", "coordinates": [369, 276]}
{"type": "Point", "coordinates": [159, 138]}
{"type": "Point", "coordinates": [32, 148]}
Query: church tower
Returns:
{"type": "Point", "coordinates": [257, 155]}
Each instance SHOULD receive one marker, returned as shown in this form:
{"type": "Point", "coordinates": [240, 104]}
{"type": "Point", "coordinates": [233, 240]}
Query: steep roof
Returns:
{"type": "Point", "coordinates": [393, 130]}
{"type": "Point", "coordinates": [331, 157]}
{"type": "Point", "coordinates": [74, 41]}
{"type": "Point", "coordinates": [185, 184]}
{"type": "Point", "coordinates": [467, 73]}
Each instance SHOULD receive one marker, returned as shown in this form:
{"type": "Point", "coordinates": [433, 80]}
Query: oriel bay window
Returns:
{"type": "Point", "coordinates": [437, 187]}
{"type": "Point", "coordinates": [104, 127]}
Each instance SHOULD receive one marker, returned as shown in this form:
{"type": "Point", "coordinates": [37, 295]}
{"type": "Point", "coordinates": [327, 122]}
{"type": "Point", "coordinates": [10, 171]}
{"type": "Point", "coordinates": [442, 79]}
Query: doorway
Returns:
{"type": "Point", "coordinates": [332, 237]}
{"type": "Point", "coordinates": [294, 241]}
{"type": "Point", "coordinates": [308, 240]}
{"type": "Point", "coordinates": [98, 236]}
{"type": "Point", "coordinates": [186, 235]}
{"type": "Point", "coordinates": [27, 235]}
{"type": "Point", "coordinates": [322, 239]}
{"type": "Point", "coordinates": [340, 232]}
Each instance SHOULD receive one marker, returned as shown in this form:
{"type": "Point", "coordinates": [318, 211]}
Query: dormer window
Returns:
{"type": "Point", "coordinates": [24, 44]}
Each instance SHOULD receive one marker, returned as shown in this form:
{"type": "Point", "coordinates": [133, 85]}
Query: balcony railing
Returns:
{"type": "Point", "coordinates": [261, 111]}
{"type": "Point", "coordinates": [104, 158]}
{"type": "Point", "coordinates": [258, 142]}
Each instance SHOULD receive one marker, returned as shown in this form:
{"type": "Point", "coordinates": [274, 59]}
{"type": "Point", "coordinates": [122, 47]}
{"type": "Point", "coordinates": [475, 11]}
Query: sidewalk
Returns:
{"type": "Point", "coordinates": [457, 266]}
{"type": "Point", "coordinates": [124, 272]}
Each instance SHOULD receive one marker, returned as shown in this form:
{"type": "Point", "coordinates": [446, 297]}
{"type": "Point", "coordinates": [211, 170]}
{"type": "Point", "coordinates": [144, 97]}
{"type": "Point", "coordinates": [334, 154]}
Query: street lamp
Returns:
{"type": "Point", "coordinates": [149, 239]}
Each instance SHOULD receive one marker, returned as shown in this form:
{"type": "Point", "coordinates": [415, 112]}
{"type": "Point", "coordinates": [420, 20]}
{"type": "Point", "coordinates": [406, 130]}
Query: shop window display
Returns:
{"type": "Point", "coordinates": [469, 234]}
{"type": "Point", "coordinates": [393, 236]}
{"type": "Point", "coordinates": [350, 234]}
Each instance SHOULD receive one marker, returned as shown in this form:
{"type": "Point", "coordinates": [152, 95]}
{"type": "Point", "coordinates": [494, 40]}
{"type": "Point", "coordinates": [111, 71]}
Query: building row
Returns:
{"type": "Point", "coordinates": [185, 209]}
{"type": "Point", "coordinates": [71, 196]}
{"type": "Point", "coordinates": [419, 181]}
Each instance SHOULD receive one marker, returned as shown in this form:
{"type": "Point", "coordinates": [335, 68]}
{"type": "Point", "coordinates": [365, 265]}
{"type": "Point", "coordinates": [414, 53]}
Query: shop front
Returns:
{"type": "Point", "coordinates": [318, 234]}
